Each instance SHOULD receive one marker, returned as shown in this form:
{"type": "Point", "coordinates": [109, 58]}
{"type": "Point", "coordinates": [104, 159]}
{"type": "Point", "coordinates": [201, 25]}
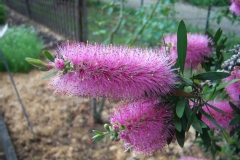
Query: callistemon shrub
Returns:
{"type": "Point", "coordinates": [116, 72]}
{"type": "Point", "coordinates": [198, 48]}
{"type": "Point", "coordinates": [222, 119]}
{"type": "Point", "coordinates": [233, 90]}
{"type": "Point", "coordinates": [146, 125]}
{"type": "Point", "coordinates": [235, 7]}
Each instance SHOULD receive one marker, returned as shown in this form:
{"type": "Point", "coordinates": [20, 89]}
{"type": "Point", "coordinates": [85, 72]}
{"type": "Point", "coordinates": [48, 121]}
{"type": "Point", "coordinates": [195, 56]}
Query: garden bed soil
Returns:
{"type": "Point", "coordinates": [62, 124]}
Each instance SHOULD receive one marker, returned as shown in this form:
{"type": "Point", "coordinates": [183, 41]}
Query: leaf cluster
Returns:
{"type": "Point", "coordinates": [3, 14]}
{"type": "Point", "coordinates": [188, 110]}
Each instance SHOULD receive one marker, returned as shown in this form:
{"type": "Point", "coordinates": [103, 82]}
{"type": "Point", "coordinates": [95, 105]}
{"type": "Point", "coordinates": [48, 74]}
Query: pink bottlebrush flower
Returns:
{"type": "Point", "coordinates": [198, 48]}
{"type": "Point", "coordinates": [235, 7]}
{"type": "Point", "coordinates": [222, 119]}
{"type": "Point", "coordinates": [233, 90]}
{"type": "Point", "coordinates": [117, 72]}
{"type": "Point", "coordinates": [59, 64]}
{"type": "Point", "coordinates": [148, 125]}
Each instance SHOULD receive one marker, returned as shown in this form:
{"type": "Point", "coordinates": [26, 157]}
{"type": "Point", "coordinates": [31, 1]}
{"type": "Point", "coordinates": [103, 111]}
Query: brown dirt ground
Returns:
{"type": "Point", "coordinates": [63, 125]}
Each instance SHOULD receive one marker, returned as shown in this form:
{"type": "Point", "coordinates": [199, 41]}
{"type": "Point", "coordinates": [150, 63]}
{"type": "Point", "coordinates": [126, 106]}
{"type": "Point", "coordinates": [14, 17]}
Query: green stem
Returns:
{"type": "Point", "coordinates": [144, 24]}
{"type": "Point", "coordinates": [115, 29]}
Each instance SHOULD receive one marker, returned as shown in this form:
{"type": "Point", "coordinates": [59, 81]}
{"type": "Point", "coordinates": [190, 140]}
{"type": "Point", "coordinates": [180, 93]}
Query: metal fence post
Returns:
{"type": "Point", "coordinates": [28, 8]}
{"type": "Point", "coordinates": [81, 20]}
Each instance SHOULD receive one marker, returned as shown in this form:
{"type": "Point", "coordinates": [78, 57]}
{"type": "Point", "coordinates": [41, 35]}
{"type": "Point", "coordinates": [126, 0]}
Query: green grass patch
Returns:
{"type": "Point", "coordinates": [17, 44]}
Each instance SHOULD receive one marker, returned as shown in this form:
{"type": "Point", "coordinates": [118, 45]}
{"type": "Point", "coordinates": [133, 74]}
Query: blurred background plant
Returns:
{"type": "Point", "coordinates": [206, 2]}
{"type": "Point", "coordinates": [18, 43]}
{"type": "Point", "coordinates": [131, 29]}
{"type": "Point", "coordinates": [3, 14]}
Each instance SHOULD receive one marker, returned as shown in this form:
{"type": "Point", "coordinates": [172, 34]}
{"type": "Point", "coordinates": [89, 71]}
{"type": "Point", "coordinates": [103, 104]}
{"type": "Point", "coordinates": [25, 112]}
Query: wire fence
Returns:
{"type": "Point", "coordinates": [67, 17]}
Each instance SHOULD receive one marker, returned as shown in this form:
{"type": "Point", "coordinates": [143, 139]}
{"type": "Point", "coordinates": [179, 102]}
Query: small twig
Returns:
{"type": "Point", "coordinates": [19, 99]}
{"type": "Point", "coordinates": [115, 29]}
{"type": "Point", "coordinates": [180, 93]}
{"type": "Point", "coordinates": [144, 25]}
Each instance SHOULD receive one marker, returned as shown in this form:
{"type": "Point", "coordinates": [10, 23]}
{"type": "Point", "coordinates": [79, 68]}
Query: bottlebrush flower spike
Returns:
{"type": "Point", "coordinates": [222, 119]}
{"type": "Point", "coordinates": [148, 125]}
{"type": "Point", "coordinates": [117, 72]}
{"type": "Point", "coordinates": [233, 90]}
{"type": "Point", "coordinates": [198, 48]}
{"type": "Point", "coordinates": [235, 7]}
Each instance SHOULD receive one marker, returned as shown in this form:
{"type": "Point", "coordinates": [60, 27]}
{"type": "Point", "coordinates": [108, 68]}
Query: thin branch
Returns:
{"type": "Point", "coordinates": [179, 93]}
{"type": "Point", "coordinates": [144, 25]}
{"type": "Point", "coordinates": [115, 29]}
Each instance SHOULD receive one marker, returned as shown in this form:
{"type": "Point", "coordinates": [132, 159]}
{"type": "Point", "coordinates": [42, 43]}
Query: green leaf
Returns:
{"type": "Point", "coordinates": [49, 75]}
{"type": "Point", "coordinates": [196, 135]}
{"type": "Point", "coordinates": [184, 121]}
{"type": "Point", "coordinates": [217, 35]}
{"type": "Point", "coordinates": [212, 94]}
{"type": "Point", "coordinates": [36, 62]}
{"type": "Point", "coordinates": [97, 132]}
{"type": "Point", "coordinates": [235, 120]}
{"type": "Point", "coordinates": [205, 137]}
{"type": "Point", "coordinates": [44, 69]}
{"type": "Point", "coordinates": [211, 119]}
{"type": "Point", "coordinates": [48, 56]}
{"type": "Point", "coordinates": [180, 138]}
{"type": "Point", "coordinates": [235, 108]}
{"type": "Point", "coordinates": [177, 123]}
{"type": "Point", "coordinates": [222, 86]}
{"type": "Point", "coordinates": [197, 126]}
{"type": "Point", "coordinates": [216, 109]}
{"type": "Point", "coordinates": [193, 115]}
{"type": "Point", "coordinates": [180, 107]}
{"type": "Point", "coordinates": [209, 34]}
{"type": "Point", "coordinates": [187, 81]}
{"type": "Point", "coordinates": [98, 137]}
{"type": "Point", "coordinates": [188, 111]}
{"type": "Point", "coordinates": [235, 130]}
{"type": "Point", "coordinates": [203, 124]}
{"type": "Point", "coordinates": [181, 45]}
{"type": "Point", "coordinates": [211, 76]}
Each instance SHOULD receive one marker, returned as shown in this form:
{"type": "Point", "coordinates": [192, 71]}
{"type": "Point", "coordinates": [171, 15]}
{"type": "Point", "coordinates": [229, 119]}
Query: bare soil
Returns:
{"type": "Point", "coordinates": [63, 125]}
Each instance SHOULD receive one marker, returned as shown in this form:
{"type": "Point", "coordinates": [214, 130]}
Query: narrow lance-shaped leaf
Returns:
{"type": "Point", "coordinates": [50, 75]}
{"type": "Point", "coordinates": [205, 137]}
{"type": "Point", "coordinates": [235, 120]}
{"type": "Point", "coordinates": [48, 56]}
{"type": "Point", "coordinates": [197, 126]}
{"type": "Point", "coordinates": [187, 81]}
{"type": "Point", "coordinates": [193, 115]}
{"type": "Point", "coordinates": [97, 132]}
{"type": "Point", "coordinates": [217, 35]}
{"type": "Point", "coordinates": [222, 86]}
{"type": "Point", "coordinates": [181, 44]}
{"type": "Point", "coordinates": [211, 76]}
{"type": "Point", "coordinates": [36, 62]}
{"type": "Point", "coordinates": [211, 119]}
{"type": "Point", "coordinates": [180, 138]}
{"type": "Point", "coordinates": [98, 137]}
{"type": "Point", "coordinates": [177, 123]}
{"type": "Point", "coordinates": [235, 108]}
{"type": "Point", "coordinates": [216, 109]}
{"type": "Point", "coordinates": [180, 107]}
{"type": "Point", "coordinates": [184, 121]}
{"type": "Point", "coordinates": [235, 130]}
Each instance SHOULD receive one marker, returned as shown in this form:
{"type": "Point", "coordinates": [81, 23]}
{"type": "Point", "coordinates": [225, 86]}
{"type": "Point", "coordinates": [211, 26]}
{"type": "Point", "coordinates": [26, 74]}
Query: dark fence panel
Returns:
{"type": "Point", "coordinates": [66, 17]}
